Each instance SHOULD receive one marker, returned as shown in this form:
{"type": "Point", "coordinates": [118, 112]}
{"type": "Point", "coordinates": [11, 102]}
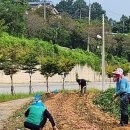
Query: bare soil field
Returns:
{"type": "Point", "coordinates": [72, 111]}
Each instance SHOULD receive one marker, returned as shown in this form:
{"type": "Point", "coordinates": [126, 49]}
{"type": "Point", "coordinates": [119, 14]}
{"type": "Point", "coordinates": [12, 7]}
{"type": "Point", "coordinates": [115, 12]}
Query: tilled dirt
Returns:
{"type": "Point", "coordinates": [62, 107]}
{"type": "Point", "coordinates": [74, 112]}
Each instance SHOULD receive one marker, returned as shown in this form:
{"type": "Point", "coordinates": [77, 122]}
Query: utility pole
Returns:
{"type": "Point", "coordinates": [103, 54]}
{"type": "Point", "coordinates": [123, 25]}
{"type": "Point", "coordinates": [89, 19]}
{"type": "Point", "coordinates": [44, 9]}
{"type": "Point", "coordinates": [80, 14]}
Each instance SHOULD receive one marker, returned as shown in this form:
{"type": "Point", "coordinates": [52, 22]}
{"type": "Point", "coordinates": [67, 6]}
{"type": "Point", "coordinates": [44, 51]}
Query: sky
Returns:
{"type": "Point", "coordinates": [114, 8]}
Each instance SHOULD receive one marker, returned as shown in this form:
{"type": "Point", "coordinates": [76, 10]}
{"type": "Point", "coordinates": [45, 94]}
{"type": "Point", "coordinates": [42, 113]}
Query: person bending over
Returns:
{"type": "Point", "coordinates": [37, 114]}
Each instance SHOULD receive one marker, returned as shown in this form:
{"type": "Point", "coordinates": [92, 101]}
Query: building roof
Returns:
{"type": "Point", "coordinates": [39, 3]}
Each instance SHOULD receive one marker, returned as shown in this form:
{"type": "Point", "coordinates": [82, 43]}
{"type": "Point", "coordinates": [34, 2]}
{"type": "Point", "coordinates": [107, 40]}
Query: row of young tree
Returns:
{"type": "Point", "coordinates": [15, 58]}
{"type": "Point", "coordinates": [33, 55]}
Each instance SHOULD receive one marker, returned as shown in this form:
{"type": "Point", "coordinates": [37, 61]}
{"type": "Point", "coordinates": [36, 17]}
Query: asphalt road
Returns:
{"type": "Point", "coordinates": [23, 88]}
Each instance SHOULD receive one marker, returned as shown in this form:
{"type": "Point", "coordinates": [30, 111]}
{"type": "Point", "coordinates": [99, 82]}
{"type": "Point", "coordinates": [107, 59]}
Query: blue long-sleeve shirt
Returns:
{"type": "Point", "coordinates": [122, 86]}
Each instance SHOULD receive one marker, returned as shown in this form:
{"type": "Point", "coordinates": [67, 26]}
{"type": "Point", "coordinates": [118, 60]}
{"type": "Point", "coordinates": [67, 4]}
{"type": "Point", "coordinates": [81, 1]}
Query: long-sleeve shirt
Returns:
{"type": "Point", "coordinates": [122, 86]}
{"type": "Point", "coordinates": [45, 114]}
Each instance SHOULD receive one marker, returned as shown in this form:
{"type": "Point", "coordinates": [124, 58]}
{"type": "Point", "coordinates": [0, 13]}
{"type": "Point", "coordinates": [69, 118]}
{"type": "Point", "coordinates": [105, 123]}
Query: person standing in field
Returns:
{"type": "Point", "coordinates": [123, 91]}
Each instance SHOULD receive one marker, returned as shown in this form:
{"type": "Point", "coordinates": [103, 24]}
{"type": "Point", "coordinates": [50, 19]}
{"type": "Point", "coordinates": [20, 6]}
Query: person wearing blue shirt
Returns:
{"type": "Point", "coordinates": [123, 91]}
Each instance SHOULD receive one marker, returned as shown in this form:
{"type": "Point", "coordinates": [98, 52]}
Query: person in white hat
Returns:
{"type": "Point", "coordinates": [123, 91]}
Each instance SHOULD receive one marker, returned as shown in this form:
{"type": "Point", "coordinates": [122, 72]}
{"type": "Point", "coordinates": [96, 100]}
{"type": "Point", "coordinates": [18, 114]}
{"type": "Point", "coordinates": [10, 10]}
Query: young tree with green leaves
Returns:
{"type": "Point", "coordinates": [110, 68]}
{"type": "Point", "coordinates": [10, 68]}
{"type": "Point", "coordinates": [10, 62]}
{"type": "Point", "coordinates": [65, 65]}
{"type": "Point", "coordinates": [48, 68]}
{"type": "Point", "coordinates": [29, 65]}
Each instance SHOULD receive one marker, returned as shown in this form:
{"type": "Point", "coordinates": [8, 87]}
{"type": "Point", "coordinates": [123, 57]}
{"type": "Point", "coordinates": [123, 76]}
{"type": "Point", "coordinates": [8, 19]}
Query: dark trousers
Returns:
{"type": "Point", "coordinates": [35, 127]}
{"type": "Point", "coordinates": [124, 102]}
{"type": "Point", "coordinates": [83, 90]}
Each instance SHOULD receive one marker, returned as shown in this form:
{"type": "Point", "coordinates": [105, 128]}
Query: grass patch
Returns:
{"type": "Point", "coordinates": [93, 90]}
{"type": "Point", "coordinates": [9, 97]}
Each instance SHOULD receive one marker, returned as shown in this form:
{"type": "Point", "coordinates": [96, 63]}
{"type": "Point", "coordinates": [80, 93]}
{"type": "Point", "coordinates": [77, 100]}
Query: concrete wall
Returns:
{"type": "Point", "coordinates": [83, 72]}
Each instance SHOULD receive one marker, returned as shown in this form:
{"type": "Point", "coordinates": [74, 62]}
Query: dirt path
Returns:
{"type": "Point", "coordinates": [7, 109]}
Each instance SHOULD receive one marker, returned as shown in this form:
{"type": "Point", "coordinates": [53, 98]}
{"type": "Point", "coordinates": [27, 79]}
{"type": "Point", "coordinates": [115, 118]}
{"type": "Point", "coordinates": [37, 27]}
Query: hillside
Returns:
{"type": "Point", "coordinates": [48, 49]}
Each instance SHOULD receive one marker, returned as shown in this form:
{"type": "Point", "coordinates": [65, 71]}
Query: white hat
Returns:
{"type": "Point", "coordinates": [118, 71]}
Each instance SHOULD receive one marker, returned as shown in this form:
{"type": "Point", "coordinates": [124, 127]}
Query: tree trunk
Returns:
{"type": "Point", "coordinates": [63, 83]}
{"type": "Point", "coordinates": [30, 85]}
{"type": "Point", "coordinates": [47, 84]}
{"type": "Point", "coordinates": [12, 87]}
{"type": "Point", "coordinates": [80, 14]}
{"type": "Point", "coordinates": [94, 76]}
{"type": "Point", "coordinates": [110, 82]}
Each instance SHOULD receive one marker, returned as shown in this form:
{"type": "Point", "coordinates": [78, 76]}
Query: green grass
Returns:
{"type": "Point", "coordinates": [9, 97]}
{"type": "Point", "coordinates": [93, 90]}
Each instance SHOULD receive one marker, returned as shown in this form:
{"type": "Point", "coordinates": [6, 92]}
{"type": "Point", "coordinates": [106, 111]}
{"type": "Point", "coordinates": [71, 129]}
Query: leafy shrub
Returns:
{"type": "Point", "coordinates": [44, 49]}
{"type": "Point", "coordinates": [104, 100]}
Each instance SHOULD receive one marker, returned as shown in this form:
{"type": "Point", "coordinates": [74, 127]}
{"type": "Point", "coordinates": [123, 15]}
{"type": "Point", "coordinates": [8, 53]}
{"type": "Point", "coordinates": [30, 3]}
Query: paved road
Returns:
{"type": "Point", "coordinates": [23, 88]}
